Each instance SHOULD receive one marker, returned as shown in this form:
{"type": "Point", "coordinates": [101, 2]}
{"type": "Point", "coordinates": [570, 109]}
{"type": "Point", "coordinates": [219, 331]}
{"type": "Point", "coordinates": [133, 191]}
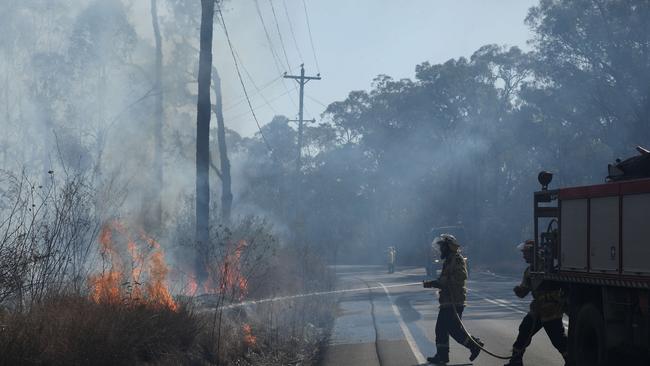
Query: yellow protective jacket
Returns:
{"type": "Point", "coordinates": [391, 257]}
{"type": "Point", "coordinates": [547, 304]}
{"type": "Point", "coordinates": [452, 281]}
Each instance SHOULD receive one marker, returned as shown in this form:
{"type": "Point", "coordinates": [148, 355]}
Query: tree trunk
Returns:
{"type": "Point", "coordinates": [226, 180]}
{"type": "Point", "coordinates": [155, 215]}
{"type": "Point", "coordinates": [203, 136]}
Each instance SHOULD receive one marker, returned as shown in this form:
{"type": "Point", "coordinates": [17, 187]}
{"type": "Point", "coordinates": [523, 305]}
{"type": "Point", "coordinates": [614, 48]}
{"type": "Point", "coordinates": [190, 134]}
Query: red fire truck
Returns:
{"type": "Point", "coordinates": [594, 243]}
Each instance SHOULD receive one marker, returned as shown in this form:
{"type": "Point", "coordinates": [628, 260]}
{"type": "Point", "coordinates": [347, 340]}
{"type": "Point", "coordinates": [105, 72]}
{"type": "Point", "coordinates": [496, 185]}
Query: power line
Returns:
{"type": "Point", "coordinates": [237, 102]}
{"type": "Point", "coordinates": [277, 26]}
{"type": "Point", "coordinates": [253, 82]}
{"type": "Point", "coordinates": [311, 40]}
{"type": "Point", "coordinates": [241, 80]}
{"type": "Point", "coordinates": [293, 35]}
{"type": "Point", "coordinates": [316, 100]}
{"type": "Point", "coordinates": [265, 104]}
{"type": "Point", "coordinates": [276, 59]}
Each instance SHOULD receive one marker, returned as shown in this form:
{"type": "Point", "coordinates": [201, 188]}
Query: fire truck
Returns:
{"type": "Point", "coordinates": [593, 242]}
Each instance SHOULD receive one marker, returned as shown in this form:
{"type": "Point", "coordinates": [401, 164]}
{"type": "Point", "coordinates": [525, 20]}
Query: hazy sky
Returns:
{"type": "Point", "coordinates": [354, 41]}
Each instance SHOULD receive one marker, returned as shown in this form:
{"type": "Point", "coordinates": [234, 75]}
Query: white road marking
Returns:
{"type": "Point", "coordinates": [407, 333]}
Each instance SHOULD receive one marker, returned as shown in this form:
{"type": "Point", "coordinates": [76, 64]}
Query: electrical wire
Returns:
{"type": "Point", "coordinates": [311, 40]}
{"type": "Point", "coordinates": [241, 80]}
{"type": "Point", "coordinates": [237, 102]}
{"type": "Point", "coordinates": [293, 35]}
{"type": "Point", "coordinates": [254, 84]}
{"type": "Point", "coordinates": [276, 58]}
{"type": "Point", "coordinates": [265, 104]}
{"type": "Point", "coordinates": [277, 26]}
{"type": "Point", "coordinates": [316, 100]}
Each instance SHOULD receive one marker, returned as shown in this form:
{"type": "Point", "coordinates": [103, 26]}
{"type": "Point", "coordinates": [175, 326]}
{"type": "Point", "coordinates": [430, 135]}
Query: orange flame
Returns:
{"type": "Point", "coordinates": [232, 280]}
{"type": "Point", "coordinates": [106, 286]}
{"type": "Point", "coordinates": [249, 339]}
{"type": "Point", "coordinates": [192, 286]}
{"type": "Point", "coordinates": [147, 261]}
{"type": "Point", "coordinates": [157, 291]}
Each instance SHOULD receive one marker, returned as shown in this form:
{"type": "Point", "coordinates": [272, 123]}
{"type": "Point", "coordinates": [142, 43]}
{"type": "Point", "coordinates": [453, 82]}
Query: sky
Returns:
{"type": "Point", "coordinates": [353, 42]}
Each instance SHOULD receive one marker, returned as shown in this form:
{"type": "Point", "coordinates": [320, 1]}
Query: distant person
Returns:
{"type": "Point", "coordinates": [392, 254]}
{"type": "Point", "coordinates": [452, 297]}
{"type": "Point", "coordinates": [546, 311]}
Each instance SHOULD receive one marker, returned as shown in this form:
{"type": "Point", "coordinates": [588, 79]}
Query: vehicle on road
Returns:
{"type": "Point", "coordinates": [594, 243]}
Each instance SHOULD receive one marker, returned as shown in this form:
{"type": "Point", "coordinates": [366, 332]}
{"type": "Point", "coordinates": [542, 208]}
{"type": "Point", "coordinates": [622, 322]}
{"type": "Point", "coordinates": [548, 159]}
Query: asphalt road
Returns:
{"type": "Point", "coordinates": [390, 320]}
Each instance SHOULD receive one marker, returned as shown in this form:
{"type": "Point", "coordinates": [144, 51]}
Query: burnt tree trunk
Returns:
{"type": "Point", "coordinates": [226, 180]}
{"type": "Point", "coordinates": [155, 217]}
{"type": "Point", "coordinates": [203, 136]}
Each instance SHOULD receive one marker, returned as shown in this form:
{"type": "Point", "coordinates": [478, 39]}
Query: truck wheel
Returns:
{"type": "Point", "coordinates": [590, 339]}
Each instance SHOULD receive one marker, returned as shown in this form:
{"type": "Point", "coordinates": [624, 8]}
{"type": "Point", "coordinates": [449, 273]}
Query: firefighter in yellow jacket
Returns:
{"type": "Point", "coordinates": [390, 259]}
{"type": "Point", "coordinates": [452, 295]}
{"type": "Point", "coordinates": [546, 312]}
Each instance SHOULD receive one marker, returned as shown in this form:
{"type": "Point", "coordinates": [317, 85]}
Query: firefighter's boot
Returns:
{"type": "Point", "coordinates": [475, 348]}
{"type": "Point", "coordinates": [438, 359]}
{"type": "Point", "coordinates": [517, 358]}
{"type": "Point", "coordinates": [442, 355]}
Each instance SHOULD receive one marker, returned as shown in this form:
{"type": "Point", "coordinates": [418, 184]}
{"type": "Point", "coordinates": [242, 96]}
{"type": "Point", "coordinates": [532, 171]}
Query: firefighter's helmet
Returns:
{"type": "Point", "coordinates": [449, 240]}
{"type": "Point", "coordinates": [526, 246]}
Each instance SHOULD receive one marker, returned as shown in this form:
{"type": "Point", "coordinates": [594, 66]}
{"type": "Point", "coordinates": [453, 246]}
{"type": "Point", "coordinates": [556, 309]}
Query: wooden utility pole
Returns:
{"type": "Point", "coordinates": [203, 111]}
{"type": "Point", "coordinates": [301, 80]}
{"type": "Point", "coordinates": [224, 172]}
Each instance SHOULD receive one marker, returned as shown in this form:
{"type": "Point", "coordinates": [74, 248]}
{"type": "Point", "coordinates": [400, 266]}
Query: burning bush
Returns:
{"type": "Point", "coordinates": [79, 289]}
{"type": "Point", "coordinates": [136, 274]}
{"type": "Point", "coordinates": [246, 263]}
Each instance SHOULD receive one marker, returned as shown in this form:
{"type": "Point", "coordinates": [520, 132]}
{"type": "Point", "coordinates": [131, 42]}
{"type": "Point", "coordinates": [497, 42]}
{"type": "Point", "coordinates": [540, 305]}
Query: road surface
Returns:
{"type": "Point", "coordinates": [390, 320]}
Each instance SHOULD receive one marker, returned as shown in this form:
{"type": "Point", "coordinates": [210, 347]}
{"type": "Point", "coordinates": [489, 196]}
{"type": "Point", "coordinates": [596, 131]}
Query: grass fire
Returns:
{"type": "Point", "coordinates": [268, 182]}
{"type": "Point", "coordinates": [145, 279]}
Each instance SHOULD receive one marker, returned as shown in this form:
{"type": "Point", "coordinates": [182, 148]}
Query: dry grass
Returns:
{"type": "Point", "coordinates": [48, 249]}
{"type": "Point", "coordinates": [73, 330]}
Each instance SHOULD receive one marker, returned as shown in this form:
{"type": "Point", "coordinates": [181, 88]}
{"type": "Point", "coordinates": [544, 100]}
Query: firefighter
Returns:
{"type": "Point", "coordinates": [392, 254]}
{"type": "Point", "coordinates": [546, 312]}
{"type": "Point", "coordinates": [452, 294]}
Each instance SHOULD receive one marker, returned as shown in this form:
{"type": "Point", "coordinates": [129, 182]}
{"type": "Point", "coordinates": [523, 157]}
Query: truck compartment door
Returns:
{"type": "Point", "coordinates": [604, 234]}
{"type": "Point", "coordinates": [573, 235]}
{"type": "Point", "coordinates": [636, 233]}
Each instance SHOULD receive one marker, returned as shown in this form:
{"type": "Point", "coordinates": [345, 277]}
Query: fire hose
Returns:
{"type": "Point", "coordinates": [469, 336]}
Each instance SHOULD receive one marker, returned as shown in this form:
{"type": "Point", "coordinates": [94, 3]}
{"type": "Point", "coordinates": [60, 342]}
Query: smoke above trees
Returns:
{"type": "Point", "coordinates": [459, 144]}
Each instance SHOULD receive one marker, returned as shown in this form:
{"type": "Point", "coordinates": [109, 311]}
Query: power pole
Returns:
{"type": "Point", "coordinates": [301, 80]}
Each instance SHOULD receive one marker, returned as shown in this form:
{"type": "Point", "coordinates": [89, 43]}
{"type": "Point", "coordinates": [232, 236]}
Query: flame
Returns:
{"type": "Point", "coordinates": [157, 291]}
{"type": "Point", "coordinates": [232, 281]}
{"type": "Point", "coordinates": [147, 260]}
{"type": "Point", "coordinates": [192, 286]}
{"type": "Point", "coordinates": [249, 339]}
{"type": "Point", "coordinates": [106, 286]}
